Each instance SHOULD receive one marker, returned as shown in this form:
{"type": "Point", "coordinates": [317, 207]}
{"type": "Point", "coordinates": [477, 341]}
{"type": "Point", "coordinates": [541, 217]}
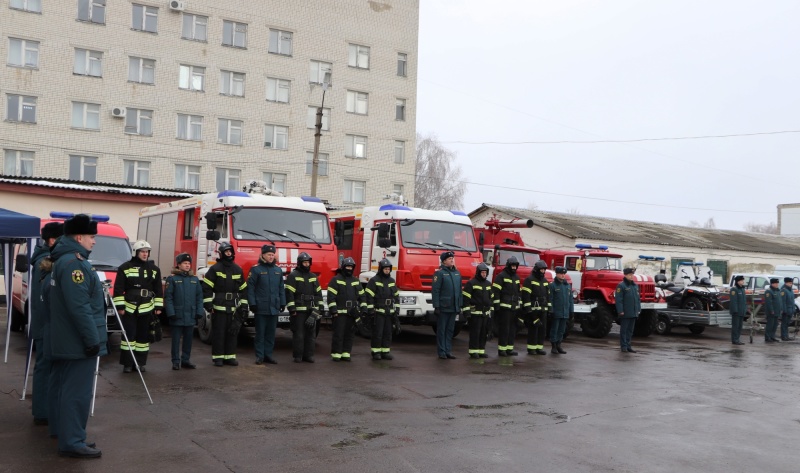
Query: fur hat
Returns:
{"type": "Point", "coordinates": [80, 224]}
{"type": "Point", "coordinates": [183, 257]}
{"type": "Point", "coordinates": [788, 279]}
{"type": "Point", "coordinates": [738, 278]}
{"type": "Point", "coordinates": [268, 249]}
{"type": "Point", "coordinates": [445, 255]}
{"type": "Point", "coordinates": [52, 230]}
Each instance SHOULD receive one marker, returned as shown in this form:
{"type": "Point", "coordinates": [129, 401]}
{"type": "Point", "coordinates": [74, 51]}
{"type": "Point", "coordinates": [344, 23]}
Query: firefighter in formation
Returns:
{"type": "Point", "coordinates": [224, 295]}
{"type": "Point", "coordinates": [535, 306]}
{"type": "Point", "coordinates": [506, 303]}
{"type": "Point", "coordinates": [478, 301]}
{"type": "Point", "coordinates": [383, 301]}
{"type": "Point", "coordinates": [346, 303]}
{"type": "Point", "coordinates": [303, 295]}
{"type": "Point", "coordinates": [139, 299]}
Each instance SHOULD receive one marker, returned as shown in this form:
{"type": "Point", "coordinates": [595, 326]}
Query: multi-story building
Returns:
{"type": "Point", "coordinates": [207, 95]}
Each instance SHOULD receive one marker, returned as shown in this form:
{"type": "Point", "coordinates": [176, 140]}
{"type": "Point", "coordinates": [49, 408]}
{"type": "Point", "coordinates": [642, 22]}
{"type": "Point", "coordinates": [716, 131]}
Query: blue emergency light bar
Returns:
{"type": "Point", "coordinates": [232, 194]}
{"type": "Point", "coordinates": [689, 263]}
{"type": "Point", "coordinates": [458, 212]}
{"type": "Point", "coordinates": [586, 246]}
{"type": "Point", "coordinates": [68, 215]}
{"type": "Point", "coordinates": [393, 207]}
{"type": "Point", "coordinates": [652, 258]}
{"type": "Point", "coordinates": [308, 198]}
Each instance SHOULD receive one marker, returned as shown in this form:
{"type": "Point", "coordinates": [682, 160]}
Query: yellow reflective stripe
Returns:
{"type": "Point", "coordinates": [208, 281]}
{"type": "Point", "coordinates": [312, 279]}
{"type": "Point", "coordinates": [291, 288]}
{"type": "Point", "coordinates": [497, 286]}
{"type": "Point", "coordinates": [340, 281]}
{"type": "Point", "coordinates": [526, 288]}
{"type": "Point", "coordinates": [222, 275]}
{"type": "Point", "coordinates": [332, 290]}
{"type": "Point", "coordinates": [508, 280]}
{"type": "Point", "coordinates": [377, 283]}
{"type": "Point", "coordinates": [298, 278]}
{"type": "Point", "coordinates": [536, 283]}
{"type": "Point", "coordinates": [236, 276]}
{"type": "Point", "coordinates": [355, 283]}
{"type": "Point", "coordinates": [390, 285]}
{"type": "Point", "coordinates": [466, 294]}
{"type": "Point", "coordinates": [243, 286]}
{"type": "Point", "coordinates": [336, 356]}
{"type": "Point", "coordinates": [369, 291]}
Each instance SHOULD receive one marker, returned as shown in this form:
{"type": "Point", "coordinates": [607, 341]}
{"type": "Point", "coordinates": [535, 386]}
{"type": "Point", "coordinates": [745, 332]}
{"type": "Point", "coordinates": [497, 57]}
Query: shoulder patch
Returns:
{"type": "Point", "coordinates": [619, 289]}
{"type": "Point", "coordinates": [733, 292]}
{"type": "Point", "coordinates": [77, 276]}
{"type": "Point", "coordinates": [435, 277]}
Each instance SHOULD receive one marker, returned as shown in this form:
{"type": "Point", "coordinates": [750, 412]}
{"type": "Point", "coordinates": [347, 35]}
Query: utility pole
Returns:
{"type": "Point", "coordinates": [326, 82]}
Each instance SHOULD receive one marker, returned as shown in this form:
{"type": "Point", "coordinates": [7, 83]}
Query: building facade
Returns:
{"type": "Point", "coordinates": [204, 96]}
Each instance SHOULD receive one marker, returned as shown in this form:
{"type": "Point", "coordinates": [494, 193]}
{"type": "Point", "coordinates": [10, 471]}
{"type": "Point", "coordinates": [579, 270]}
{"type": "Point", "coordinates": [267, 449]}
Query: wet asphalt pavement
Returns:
{"type": "Point", "coordinates": [683, 403]}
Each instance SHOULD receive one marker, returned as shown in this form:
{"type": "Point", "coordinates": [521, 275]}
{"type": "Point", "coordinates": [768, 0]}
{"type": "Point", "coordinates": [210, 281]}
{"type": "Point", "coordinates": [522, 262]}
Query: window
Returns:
{"type": "Point", "coordinates": [139, 122]}
{"type": "Point", "coordinates": [280, 42]}
{"type": "Point", "coordinates": [88, 63]}
{"type": "Point", "coordinates": [86, 115]}
{"type": "Point", "coordinates": [145, 18]}
{"type": "Point", "coordinates": [21, 108]}
{"type": "Point", "coordinates": [311, 118]}
{"type": "Point", "coordinates": [227, 179]}
{"type": "Point", "coordinates": [358, 56]}
{"type": "Point", "coordinates": [276, 137]}
{"type": "Point", "coordinates": [231, 83]}
{"type": "Point", "coordinates": [83, 168]}
{"type": "Point", "coordinates": [399, 152]}
{"type": "Point", "coordinates": [93, 11]}
{"type": "Point", "coordinates": [354, 191]}
{"type": "Point", "coordinates": [18, 163]}
{"type": "Point", "coordinates": [278, 90]}
{"type": "Point", "coordinates": [141, 70]}
{"type": "Point", "coordinates": [27, 5]}
{"type": "Point", "coordinates": [187, 177]}
{"type": "Point", "coordinates": [355, 146]}
{"type": "Point", "coordinates": [136, 173]}
{"type": "Point", "coordinates": [276, 181]}
{"type": "Point", "coordinates": [322, 170]}
{"type": "Point", "coordinates": [317, 71]}
{"type": "Point", "coordinates": [192, 78]}
{"type": "Point", "coordinates": [397, 189]}
{"type": "Point", "coordinates": [402, 64]}
{"type": "Point", "coordinates": [234, 34]}
{"type": "Point", "coordinates": [194, 27]}
{"type": "Point", "coordinates": [23, 52]}
{"type": "Point", "coordinates": [229, 132]}
{"type": "Point", "coordinates": [400, 110]}
{"type": "Point", "coordinates": [357, 102]}
{"type": "Point", "coordinates": [190, 127]}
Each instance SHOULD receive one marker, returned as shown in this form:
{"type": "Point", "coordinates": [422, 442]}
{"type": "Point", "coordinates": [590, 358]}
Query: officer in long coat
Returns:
{"type": "Point", "coordinates": [563, 308]}
{"type": "Point", "coordinates": [629, 305]}
{"type": "Point", "coordinates": [773, 307]}
{"type": "Point", "coordinates": [447, 302]}
{"type": "Point", "coordinates": [183, 303]}
{"type": "Point", "coordinates": [738, 309]}
{"type": "Point", "coordinates": [266, 294]}
{"type": "Point", "coordinates": [788, 308]}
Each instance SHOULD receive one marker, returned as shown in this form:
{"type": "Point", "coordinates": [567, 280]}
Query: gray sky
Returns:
{"type": "Point", "coordinates": [534, 70]}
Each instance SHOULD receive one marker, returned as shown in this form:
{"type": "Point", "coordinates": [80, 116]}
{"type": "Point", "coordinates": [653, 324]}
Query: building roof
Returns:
{"type": "Point", "coordinates": [604, 229]}
{"type": "Point", "coordinates": [102, 187]}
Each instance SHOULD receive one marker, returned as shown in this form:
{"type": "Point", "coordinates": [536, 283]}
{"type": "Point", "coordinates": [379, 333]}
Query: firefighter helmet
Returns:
{"type": "Point", "coordinates": [481, 268]}
{"type": "Point", "coordinates": [512, 261]}
{"type": "Point", "coordinates": [225, 246]}
{"type": "Point", "coordinates": [347, 262]}
{"type": "Point", "coordinates": [384, 263]}
{"type": "Point", "coordinates": [139, 246]}
{"type": "Point", "coordinates": [539, 265]}
{"type": "Point", "coordinates": [303, 257]}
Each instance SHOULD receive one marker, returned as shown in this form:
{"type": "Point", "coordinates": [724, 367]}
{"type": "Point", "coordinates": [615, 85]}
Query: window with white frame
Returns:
{"type": "Point", "coordinates": [280, 42]}
{"type": "Point", "coordinates": [317, 71]}
{"type": "Point", "coordinates": [276, 137]}
{"type": "Point", "coordinates": [354, 192]}
{"type": "Point", "coordinates": [278, 90]}
{"type": "Point", "coordinates": [398, 189]}
{"type": "Point", "coordinates": [83, 168]}
{"type": "Point", "coordinates": [400, 110]}
{"type": "Point", "coordinates": [399, 152]}
{"type": "Point", "coordinates": [18, 163]}
{"type": "Point", "coordinates": [190, 127]}
{"type": "Point", "coordinates": [402, 64]}
{"type": "Point", "coordinates": [27, 5]}
{"type": "Point", "coordinates": [358, 56]}
{"type": "Point", "coordinates": [86, 115]}
{"type": "Point", "coordinates": [357, 102]}
{"type": "Point", "coordinates": [229, 131]}
{"type": "Point", "coordinates": [228, 179]}
{"type": "Point", "coordinates": [23, 52]}
{"type": "Point", "coordinates": [311, 118]}
{"type": "Point", "coordinates": [93, 11]}
{"type": "Point", "coordinates": [88, 63]}
{"type": "Point", "coordinates": [135, 173]}
{"type": "Point", "coordinates": [21, 108]}
{"type": "Point", "coordinates": [192, 77]}
{"type": "Point", "coordinates": [234, 34]}
{"type": "Point", "coordinates": [195, 27]}
{"type": "Point", "coordinates": [276, 181]}
{"type": "Point", "coordinates": [231, 83]}
{"type": "Point", "coordinates": [322, 170]}
{"type": "Point", "coordinates": [139, 122]}
{"type": "Point", "coordinates": [187, 177]}
{"type": "Point", "coordinates": [355, 146]}
{"type": "Point", "coordinates": [141, 70]}
{"type": "Point", "coordinates": [145, 18]}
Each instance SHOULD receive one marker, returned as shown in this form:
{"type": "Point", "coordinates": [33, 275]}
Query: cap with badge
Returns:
{"type": "Point", "coordinates": [561, 270]}
{"type": "Point", "coordinates": [446, 254]}
{"type": "Point", "coordinates": [738, 278]}
{"type": "Point", "coordinates": [268, 249]}
{"type": "Point", "coordinates": [774, 280]}
{"type": "Point", "coordinates": [183, 257]}
{"type": "Point", "coordinates": [80, 224]}
{"type": "Point", "coordinates": [788, 279]}
{"type": "Point", "coordinates": [52, 230]}
{"type": "Point", "coordinates": [627, 271]}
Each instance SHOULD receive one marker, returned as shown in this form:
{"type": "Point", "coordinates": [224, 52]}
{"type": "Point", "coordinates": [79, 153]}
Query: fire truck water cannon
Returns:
{"type": "Point", "coordinates": [496, 223]}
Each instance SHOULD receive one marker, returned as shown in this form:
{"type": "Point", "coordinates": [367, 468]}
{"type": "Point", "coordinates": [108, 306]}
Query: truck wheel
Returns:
{"type": "Point", "coordinates": [692, 303]}
{"type": "Point", "coordinates": [204, 328]}
{"type": "Point", "coordinates": [697, 329]}
{"type": "Point", "coordinates": [598, 323]}
{"type": "Point", "coordinates": [645, 323]}
{"type": "Point", "coordinates": [663, 325]}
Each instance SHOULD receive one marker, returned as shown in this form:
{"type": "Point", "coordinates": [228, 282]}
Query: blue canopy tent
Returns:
{"type": "Point", "coordinates": [15, 228]}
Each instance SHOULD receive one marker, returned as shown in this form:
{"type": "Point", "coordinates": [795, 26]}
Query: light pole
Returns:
{"type": "Point", "coordinates": [326, 82]}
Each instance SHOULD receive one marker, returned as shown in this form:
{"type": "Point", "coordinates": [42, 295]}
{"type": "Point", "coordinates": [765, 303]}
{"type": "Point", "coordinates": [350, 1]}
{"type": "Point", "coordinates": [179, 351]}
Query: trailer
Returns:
{"type": "Point", "coordinates": [695, 320]}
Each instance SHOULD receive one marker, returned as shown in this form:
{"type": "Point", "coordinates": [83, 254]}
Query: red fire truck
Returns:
{"type": "Point", "coordinates": [247, 220]}
{"type": "Point", "coordinates": [412, 239]}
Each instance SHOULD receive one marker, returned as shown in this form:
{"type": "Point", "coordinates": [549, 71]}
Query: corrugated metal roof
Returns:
{"type": "Point", "coordinates": [649, 233]}
{"type": "Point", "coordinates": [94, 186]}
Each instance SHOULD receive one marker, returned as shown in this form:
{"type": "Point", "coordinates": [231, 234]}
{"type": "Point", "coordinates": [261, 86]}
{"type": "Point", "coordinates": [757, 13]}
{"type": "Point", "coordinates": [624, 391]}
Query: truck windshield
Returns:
{"type": "Point", "coordinates": [524, 258]}
{"type": "Point", "coordinates": [281, 225]}
{"type": "Point", "coordinates": [445, 235]}
{"type": "Point", "coordinates": [596, 263]}
{"type": "Point", "coordinates": [109, 252]}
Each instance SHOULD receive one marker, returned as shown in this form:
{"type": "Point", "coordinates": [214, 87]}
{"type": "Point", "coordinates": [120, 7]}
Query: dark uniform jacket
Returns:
{"type": "Point", "coordinates": [77, 307]}
{"type": "Point", "coordinates": [183, 300]}
{"type": "Point", "coordinates": [536, 295]}
{"type": "Point", "coordinates": [138, 287]}
{"type": "Point", "coordinates": [561, 298]}
{"type": "Point", "coordinates": [345, 295]}
{"type": "Point", "coordinates": [302, 291]}
{"type": "Point", "coordinates": [738, 302]}
{"type": "Point", "coordinates": [35, 291]}
{"type": "Point", "coordinates": [382, 294]}
{"type": "Point", "coordinates": [224, 288]}
{"type": "Point", "coordinates": [446, 290]}
{"type": "Point", "coordinates": [478, 297]}
{"type": "Point", "coordinates": [627, 299]}
{"type": "Point", "coordinates": [265, 289]}
{"type": "Point", "coordinates": [787, 297]}
{"type": "Point", "coordinates": [507, 291]}
{"type": "Point", "coordinates": [773, 304]}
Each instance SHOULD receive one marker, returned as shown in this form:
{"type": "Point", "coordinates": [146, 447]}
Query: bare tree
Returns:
{"type": "Point", "coordinates": [532, 206]}
{"type": "Point", "coordinates": [709, 224]}
{"type": "Point", "coordinates": [574, 211]}
{"type": "Point", "coordinates": [437, 183]}
{"type": "Point", "coordinates": [770, 228]}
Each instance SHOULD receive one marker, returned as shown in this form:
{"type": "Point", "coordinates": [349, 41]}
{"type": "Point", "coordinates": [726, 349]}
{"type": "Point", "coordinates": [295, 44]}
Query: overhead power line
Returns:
{"type": "Point", "coordinates": [634, 140]}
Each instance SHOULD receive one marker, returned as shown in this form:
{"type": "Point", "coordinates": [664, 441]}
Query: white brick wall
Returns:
{"type": "Point", "coordinates": [321, 30]}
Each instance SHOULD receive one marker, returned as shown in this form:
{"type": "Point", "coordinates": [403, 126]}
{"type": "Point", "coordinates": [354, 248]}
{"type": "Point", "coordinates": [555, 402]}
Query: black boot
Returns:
{"type": "Point", "coordinates": [553, 350]}
{"type": "Point", "coordinates": [560, 350]}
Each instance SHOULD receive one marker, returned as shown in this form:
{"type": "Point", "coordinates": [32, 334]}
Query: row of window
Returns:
{"type": "Point", "coordinates": [195, 27]}
{"type": "Point", "coordinates": [137, 173]}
